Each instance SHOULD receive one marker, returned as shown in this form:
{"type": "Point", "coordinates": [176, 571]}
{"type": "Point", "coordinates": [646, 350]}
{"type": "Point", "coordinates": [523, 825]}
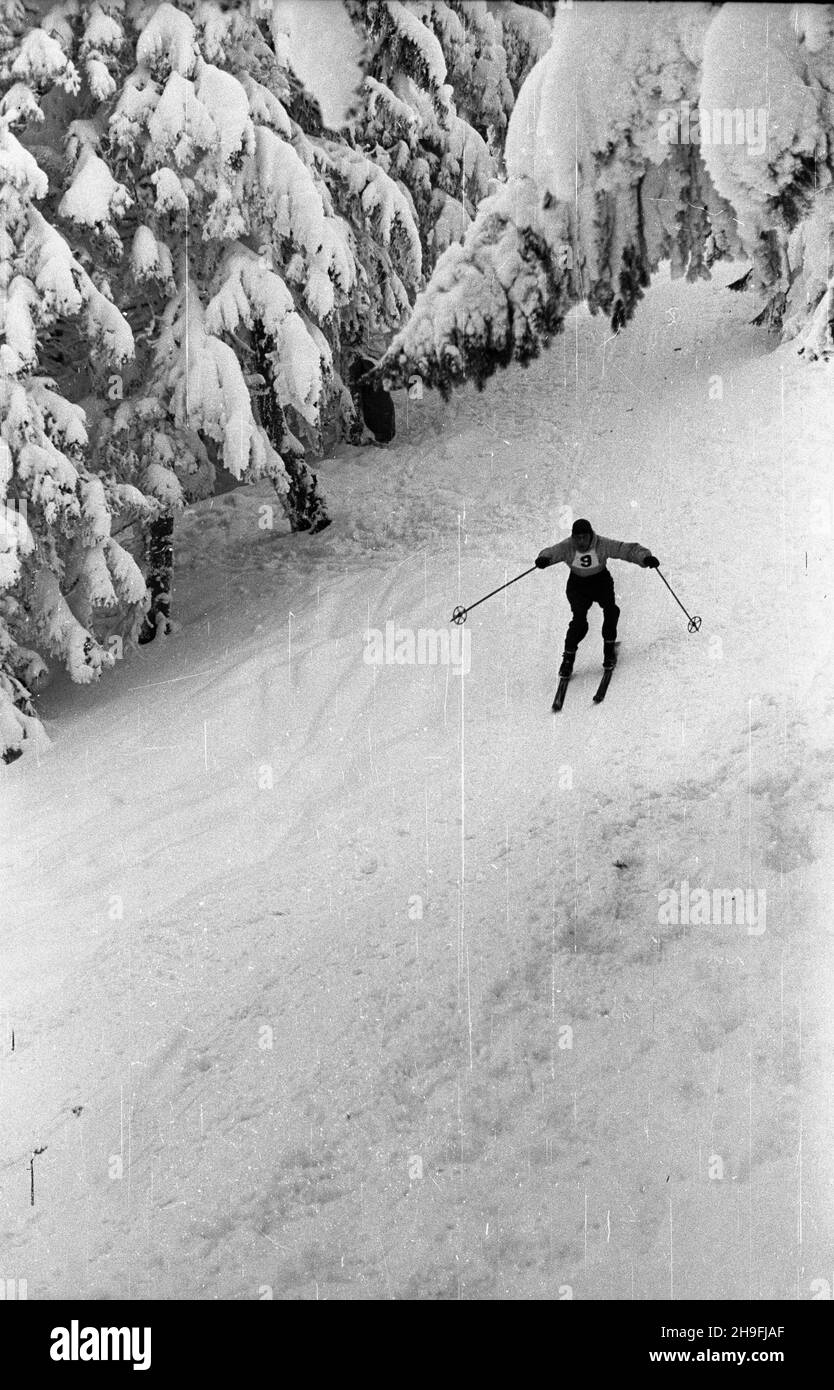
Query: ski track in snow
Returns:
{"type": "Point", "coordinates": [419, 1127]}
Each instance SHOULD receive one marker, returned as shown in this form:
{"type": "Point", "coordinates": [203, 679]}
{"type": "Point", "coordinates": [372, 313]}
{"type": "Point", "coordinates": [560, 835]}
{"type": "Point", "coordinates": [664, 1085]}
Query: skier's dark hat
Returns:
{"type": "Point", "coordinates": [582, 528]}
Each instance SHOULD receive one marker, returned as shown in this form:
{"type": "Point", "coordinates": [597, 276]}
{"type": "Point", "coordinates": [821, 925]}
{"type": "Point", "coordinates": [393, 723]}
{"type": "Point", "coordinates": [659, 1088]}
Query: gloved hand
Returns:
{"type": "Point", "coordinates": [542, 562]}
{"type": "Point", "coordinates": [651, 562]}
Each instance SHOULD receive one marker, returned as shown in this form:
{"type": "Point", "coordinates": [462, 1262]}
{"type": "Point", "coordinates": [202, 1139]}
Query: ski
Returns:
{"type": "Point", "coordinates": [561, 690]}
{"type": "Point", "coordinates": [609, 661]}
{"type": "Point", "coordinates": [607, 673]}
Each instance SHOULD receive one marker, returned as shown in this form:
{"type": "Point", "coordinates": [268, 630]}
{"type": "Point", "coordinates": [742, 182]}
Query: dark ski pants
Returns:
{"type": "Point", "coordinates": [582, 593]}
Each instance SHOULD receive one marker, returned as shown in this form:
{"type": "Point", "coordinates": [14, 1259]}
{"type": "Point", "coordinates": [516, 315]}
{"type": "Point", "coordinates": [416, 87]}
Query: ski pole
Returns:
{"type": "Point", "coordinates": [459, 615]}
{"type": "Point", "coordinates": [694, 623]}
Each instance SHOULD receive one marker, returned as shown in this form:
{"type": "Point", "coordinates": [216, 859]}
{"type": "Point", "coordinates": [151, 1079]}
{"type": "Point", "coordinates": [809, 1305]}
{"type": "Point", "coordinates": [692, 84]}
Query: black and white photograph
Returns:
{"type": "Point", "coordinates": [417, 660]}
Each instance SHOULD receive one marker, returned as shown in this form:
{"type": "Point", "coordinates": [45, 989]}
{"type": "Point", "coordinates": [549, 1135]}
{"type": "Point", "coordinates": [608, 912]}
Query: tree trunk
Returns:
{"type": "Point", "coordinates": [375, 405]}
{"type": "Point", "coordinates": [304, 506]}
{"type": "Point", "coordinates": [159, 555]}
{"type": "Point", "coordinates": [304, 503]}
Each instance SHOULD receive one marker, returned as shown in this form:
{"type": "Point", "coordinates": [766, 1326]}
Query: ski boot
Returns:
{"type": "Point", "coordinates": [609, 655]}
{"type": "Point", "coordinates": [566, 668]}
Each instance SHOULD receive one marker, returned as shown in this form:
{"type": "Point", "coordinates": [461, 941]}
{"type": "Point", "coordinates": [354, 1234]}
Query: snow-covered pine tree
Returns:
{"type": "Point", "coordinates": [471, 40]}
{"type": "Point", "coordinates": [368, 215]}
{"type": "Point", "coordinates": [240, 268]}
{"type": "Point", "coordinates": [595, 199]}
{"type": "Point", "coordinates": [526, 35]}
{"type": "Point", "coordinates": [245, 254]}
{"type": "Point", "coordinates": [305, 244]}
{"type": "Point", "coordinates": [222, 208]}
{"type": "Point", "coordinates": [382, 233]}
{"type": "Point", "coordinates": [67, 587]}
{"type": "Point", "coordinates": [411, 126]}
{"type": "Point", "coordinates": [780, 176]}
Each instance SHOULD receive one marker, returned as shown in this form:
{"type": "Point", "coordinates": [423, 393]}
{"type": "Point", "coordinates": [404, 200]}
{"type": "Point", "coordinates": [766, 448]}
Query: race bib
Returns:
{"type": "Point", "coordinates": [585, 560]}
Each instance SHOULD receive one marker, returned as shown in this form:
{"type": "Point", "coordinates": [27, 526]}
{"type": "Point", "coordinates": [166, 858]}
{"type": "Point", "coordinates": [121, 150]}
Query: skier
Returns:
{"type": "Point", "coordinates": [590, 582]}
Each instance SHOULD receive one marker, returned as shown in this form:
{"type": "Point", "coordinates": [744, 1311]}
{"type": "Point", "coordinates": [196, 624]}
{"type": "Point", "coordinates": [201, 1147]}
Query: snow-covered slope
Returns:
{"type": "Point", "coordinates": [357, 974]}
